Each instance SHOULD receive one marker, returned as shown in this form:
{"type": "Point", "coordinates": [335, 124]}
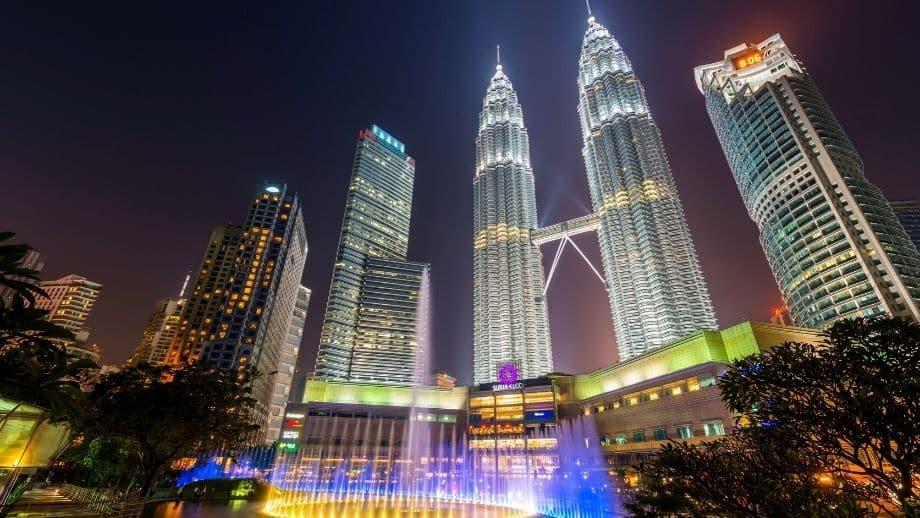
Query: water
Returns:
{"type": "Point", "coordinates": [381, 467]}
{"type": "Point", "coordinates": [225, 509]}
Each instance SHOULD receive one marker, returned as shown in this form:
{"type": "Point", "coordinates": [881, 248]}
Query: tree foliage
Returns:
{"type": "Point", "coordinates": [168, 413]}
{"type": "Point", "coordinates": [35, 367]}
{"type": "Point", "coordinates": [853, 402]}
{"type": "Point", "coordinates": [753, 472]}
{"type": "Point", "coordinates": [826, 426]}
{"type": "Point", "coordinates": [12, 274]}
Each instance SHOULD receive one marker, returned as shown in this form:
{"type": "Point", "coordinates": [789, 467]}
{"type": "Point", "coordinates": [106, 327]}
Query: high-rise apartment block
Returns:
{"type": "Point", "coordinates": [510, 323]}
{"type": "Point", "coordinates": [240, 308]}
{"type": "Point", "coordinates": [654, 280]}
{"type": "Point", "coordinates": [287, 364]}
{"type": "Point", "coordinates": [832, 240]}
{"type": "Point", "coordinates": [908, 213]}
{"type": "Point", "coordinates": [69, 303]}
{"type": "Point", "coordinates": [375, 309]}
{"type": "Point", "coordinates": [160, 332]}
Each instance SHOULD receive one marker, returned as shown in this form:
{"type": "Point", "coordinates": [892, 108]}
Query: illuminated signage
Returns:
{"type": "Point", "coordinates": [508, 378]}
{"type": "Point", "coordinates": [290, 434]}
{"type": "Point", "coordinates": [292, 415]}
{"type": "Point", "coordinates": [750, 57]}
{"type": "Point", "coordinates": [508, 374]}
{"type": "Point", "coordinates": [540, 416]}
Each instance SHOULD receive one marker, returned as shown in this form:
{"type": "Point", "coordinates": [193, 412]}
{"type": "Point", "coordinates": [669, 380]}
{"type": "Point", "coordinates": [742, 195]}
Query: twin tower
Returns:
{"type": "Point", "coordinates": [652, 274]}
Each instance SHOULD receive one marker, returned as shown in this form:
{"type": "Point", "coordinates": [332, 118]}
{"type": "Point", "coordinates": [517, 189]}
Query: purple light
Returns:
{"type": "Point", "coordinates": [508, 373]}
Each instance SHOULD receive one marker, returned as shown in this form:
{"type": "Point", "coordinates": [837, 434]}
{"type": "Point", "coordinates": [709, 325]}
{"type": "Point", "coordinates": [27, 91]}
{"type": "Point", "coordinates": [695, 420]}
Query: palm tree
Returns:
{"type": "Point", "coordinates": [12, 274]}
{"type": "Point", "coordinates": [34, 367]}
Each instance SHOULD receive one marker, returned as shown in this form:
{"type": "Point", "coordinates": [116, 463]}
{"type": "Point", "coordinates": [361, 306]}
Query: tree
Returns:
{"type": "Point", "coordinates": [167, 413]}
{"type": "Point", "coordinates": [752, 472]}
{"type": "Point", "coordinates": [34, 367]}
{"type": "Point", "coordinates": [852, 402]}
{"type": "Point", "coordinates": [12, 274]}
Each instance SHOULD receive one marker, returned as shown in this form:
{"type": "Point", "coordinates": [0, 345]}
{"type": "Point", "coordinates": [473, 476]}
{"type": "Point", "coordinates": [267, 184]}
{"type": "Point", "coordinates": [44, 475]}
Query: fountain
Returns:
{"type": "Point", "coordinates": [377, 466]}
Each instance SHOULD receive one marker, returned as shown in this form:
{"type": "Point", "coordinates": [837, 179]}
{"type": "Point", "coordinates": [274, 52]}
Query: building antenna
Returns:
{"type": "Point", "coordinates": [185, 284]}
{"type": "Point", "coordinates": [588, 5]}
{"type": "Point", "coordinates": [498, 54]}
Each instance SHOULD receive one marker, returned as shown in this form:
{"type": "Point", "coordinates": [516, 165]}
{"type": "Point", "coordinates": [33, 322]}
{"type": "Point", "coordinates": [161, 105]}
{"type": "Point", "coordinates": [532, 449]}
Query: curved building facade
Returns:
{"type": "Point", "coordinates": [831, 238]}
{"type": "Point", "coordinates": [655, 283]}
{"type": "Point", "coordinates": [509, 312]}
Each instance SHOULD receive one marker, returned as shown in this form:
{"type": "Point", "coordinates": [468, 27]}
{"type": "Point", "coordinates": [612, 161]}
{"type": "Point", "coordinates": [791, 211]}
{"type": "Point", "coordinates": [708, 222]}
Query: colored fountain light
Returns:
{"type": "Point", "coordinates": [378, 467]}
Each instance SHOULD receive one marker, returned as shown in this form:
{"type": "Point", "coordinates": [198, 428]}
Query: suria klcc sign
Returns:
{"type": "Point", "coordinates": [507, 378]}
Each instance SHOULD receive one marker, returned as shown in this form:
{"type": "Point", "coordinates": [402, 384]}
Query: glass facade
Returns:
{"type": "Point", "coordinates": [392, 323]}
{"type": "Point", "coordinates": [832, 240]}
{"type": "Point", "coordinates": [509, 313]}
{"type": "Point", "coordinates": [376, 312]}
{"type": "Point", "coordinates": [655, 283]}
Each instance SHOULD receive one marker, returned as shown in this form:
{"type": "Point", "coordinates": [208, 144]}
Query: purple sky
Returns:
{"type": "Point", "coordinates": [129, 132]}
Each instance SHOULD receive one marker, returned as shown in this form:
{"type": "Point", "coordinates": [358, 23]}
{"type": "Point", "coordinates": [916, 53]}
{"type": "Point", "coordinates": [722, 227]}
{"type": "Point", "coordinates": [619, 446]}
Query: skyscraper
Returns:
{"type": "Point", "coordinates": [161, 330]}
{"type": "Point", "coordinates": [654, 280]}
{"type": "Point", "coordinates": [287, 363]}
{"type": "Point", "coordinates": [908, 213]}
{"type": "Point", "coordinates": [509, 312]}
{"type": "Point", "coordinates": [69, 303]}
{"type": "Point", "coordinates": [240, 309]}
{"type": "Point", "coordinates": [374, 238]}
{"type": "Point", "coordinates": [830, 237]}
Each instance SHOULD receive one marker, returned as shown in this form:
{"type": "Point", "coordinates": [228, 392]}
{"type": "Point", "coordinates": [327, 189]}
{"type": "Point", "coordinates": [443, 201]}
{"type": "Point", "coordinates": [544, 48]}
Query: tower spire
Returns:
{"type": "Point", "coordinates": [588, 5]}
{"type": "Point", "coordinates": [498, 57]}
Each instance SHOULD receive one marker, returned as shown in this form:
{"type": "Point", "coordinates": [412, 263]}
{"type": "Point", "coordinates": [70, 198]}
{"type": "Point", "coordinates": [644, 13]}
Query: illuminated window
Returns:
{"type": "Point", "coordinates": [660, 434]}
{"type": "Point", "coordinates": [638, 436]}
{"type": "Point", "coordinates": [685, 431]}
{"type": "Point", "coordinates": [706, 381]}
{"type": "Point", "coordinates": [621, 438]}
{"type": "Point", "coordinates": [713, 428]}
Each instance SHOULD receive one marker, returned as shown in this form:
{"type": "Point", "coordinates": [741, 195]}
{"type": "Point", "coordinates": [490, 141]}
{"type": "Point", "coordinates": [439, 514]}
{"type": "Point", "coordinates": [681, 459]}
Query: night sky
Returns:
{"type": "Point", "coordinates": [128, 132]}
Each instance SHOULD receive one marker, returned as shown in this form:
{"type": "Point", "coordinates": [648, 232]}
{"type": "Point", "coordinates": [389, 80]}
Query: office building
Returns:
{"type": "Point", "coordinates": [392, 327]}
{"type": "Point", "coordinates": [510, 321]}
{"type": "Point", "coordinates": [832, 240]}
{"type": "Point", "coordinates": [373, 286]}
{"type": "Point", "coordinates": [287, 364]}
{"type": "Point", "coordinates": [653, 276]}
{"type": "Point", "coordinates": [908, 213]}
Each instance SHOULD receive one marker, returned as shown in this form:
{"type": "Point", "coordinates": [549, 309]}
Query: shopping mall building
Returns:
{"type": "Point", "coordinates": [631, 408]}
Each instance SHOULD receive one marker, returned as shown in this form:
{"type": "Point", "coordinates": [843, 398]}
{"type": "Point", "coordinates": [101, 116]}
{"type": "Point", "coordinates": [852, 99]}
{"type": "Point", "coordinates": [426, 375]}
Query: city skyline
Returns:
{"type": "Point", "coordinates": [730, 301]}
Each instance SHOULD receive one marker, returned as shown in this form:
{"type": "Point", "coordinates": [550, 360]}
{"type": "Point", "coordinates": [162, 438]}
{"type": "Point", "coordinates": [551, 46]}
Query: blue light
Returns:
{"type": "Point", "coordinates": [389, 139]}
{"type": "Point", "coordinates": [272, 189]}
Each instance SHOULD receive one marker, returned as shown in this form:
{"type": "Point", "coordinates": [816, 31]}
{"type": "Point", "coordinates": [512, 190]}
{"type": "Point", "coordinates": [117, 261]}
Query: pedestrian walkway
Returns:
{"type": "Point", "coordinates": [49, 502]}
